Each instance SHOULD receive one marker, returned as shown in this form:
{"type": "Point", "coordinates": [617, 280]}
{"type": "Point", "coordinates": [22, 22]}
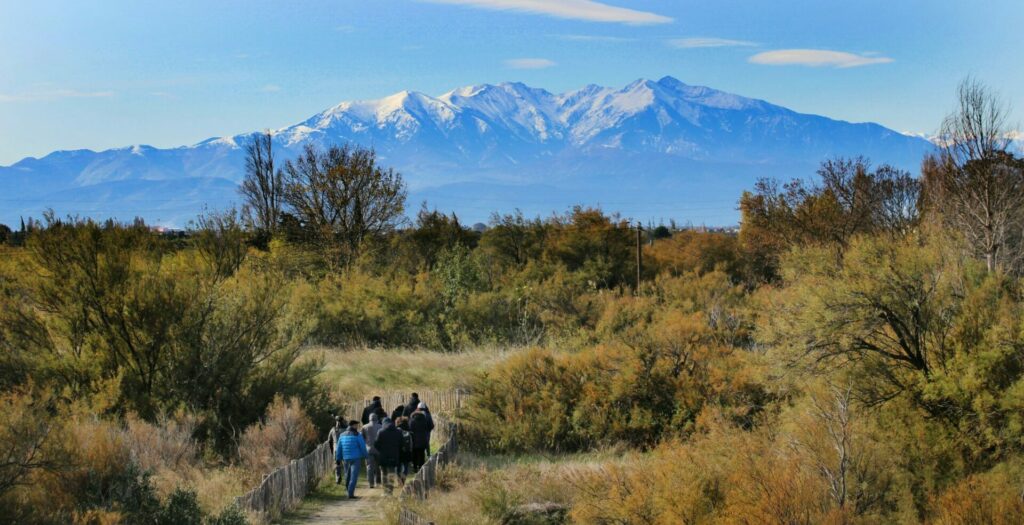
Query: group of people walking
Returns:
{"type": "Point", "coordinates": [395, 444]}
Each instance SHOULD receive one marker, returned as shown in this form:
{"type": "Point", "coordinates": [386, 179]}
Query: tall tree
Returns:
{"type": "Point", "coordinates": [851, 199]}
{"type": "Point", "coordinates": [976, 186]}
{"type": "Point", "coordinates": [262, 187]}
{"type": "Point", "coordinates": [343, 197]}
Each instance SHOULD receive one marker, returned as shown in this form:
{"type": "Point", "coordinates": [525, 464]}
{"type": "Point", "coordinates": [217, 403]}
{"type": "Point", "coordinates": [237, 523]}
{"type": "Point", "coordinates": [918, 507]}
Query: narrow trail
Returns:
{"type": "Point", "coordinates": [330, 505]}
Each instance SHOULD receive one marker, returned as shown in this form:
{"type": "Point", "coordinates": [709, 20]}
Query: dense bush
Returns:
{"type": "Point", "coordinates": [666, 358]}
{"type": "Point", "coordinates": [100, 305]}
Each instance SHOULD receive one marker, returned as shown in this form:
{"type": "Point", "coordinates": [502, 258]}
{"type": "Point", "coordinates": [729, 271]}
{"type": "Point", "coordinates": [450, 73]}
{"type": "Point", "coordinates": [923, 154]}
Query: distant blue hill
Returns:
{"type": "Point", "coordinates": [652, 150]}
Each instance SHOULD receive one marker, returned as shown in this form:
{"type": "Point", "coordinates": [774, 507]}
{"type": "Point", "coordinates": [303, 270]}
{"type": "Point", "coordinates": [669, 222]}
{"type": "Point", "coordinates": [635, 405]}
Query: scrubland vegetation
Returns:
{"type": "Point", "coordinates": [854, 355]}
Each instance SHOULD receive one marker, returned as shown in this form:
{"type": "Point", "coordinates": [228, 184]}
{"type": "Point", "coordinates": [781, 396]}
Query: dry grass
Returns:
{"type": "Point", "coordinates": [166, 450]}
{"type": "Point", "coordinates": [483, 489]}
{"type": "Point", "coordinates": [357, 374]}
{"type": "Point", "coordinates": [284, 434]}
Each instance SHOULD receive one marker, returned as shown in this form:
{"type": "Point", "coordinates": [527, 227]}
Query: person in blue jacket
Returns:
{"type": "Point", "coordinates": [351, 449]}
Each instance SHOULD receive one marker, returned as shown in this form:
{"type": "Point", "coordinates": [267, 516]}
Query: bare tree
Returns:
{"type": "Point", "coordinates": [342, 197]}
{"type": "Point", "coordinates": [262, 187]}
{"type": "Point", "coordinates": [977, 186]}
{"type": "Point", "coordinates": [979, 127]}
{"type": "Point", "coordinates": [836, 416]}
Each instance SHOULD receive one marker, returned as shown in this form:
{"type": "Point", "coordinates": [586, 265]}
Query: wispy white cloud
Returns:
{"type": "Point", "coordinates": [165, 95]}
{"type": "Point", "coordinates": [588, 10]}
{"type": "Point", "coordinates": [270, 88]}
{"type": "Point", "coordinates": [529, 63]}
{"type": "Point", "coordinates": [701, 42]}
{"type": "Point", "coordinates": [817, 58]}
{"type": "Point", "coordinates": [594, 38]}
{"type": "Point", "coordinates": [54, 94]}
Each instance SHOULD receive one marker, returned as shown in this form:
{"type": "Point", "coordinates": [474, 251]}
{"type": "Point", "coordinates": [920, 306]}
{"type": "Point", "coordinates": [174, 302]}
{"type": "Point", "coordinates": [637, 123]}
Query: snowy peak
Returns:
{"type": "Point", "coordinates": [523, 112]}
{"type": "Point", "coordinates": [526, 112]}
{"type": "Point", "coordinates": [404, 104]}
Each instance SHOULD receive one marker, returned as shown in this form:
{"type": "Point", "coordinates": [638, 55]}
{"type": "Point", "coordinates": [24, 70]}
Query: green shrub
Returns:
{"type": "Point", "coordinates": [182, 508]}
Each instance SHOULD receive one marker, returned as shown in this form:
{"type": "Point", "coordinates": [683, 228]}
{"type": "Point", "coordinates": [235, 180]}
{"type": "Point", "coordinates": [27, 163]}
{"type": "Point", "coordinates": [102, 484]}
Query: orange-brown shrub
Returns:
{"type": "Point", "coordinates": [167, 443]}
{"type": "Point", "coordinates": [991, 498]}
{"type": "Point", "coordinates": [284, 434]}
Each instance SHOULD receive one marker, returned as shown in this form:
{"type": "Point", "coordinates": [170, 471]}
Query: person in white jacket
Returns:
{"type": "Point", "coordinates": [369, 433]}
{"type": "Point", "coordinates": [339, 427]}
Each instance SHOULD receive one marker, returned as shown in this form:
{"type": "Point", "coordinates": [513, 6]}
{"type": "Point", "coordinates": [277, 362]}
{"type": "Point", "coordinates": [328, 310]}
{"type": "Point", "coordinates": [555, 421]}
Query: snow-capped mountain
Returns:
{"type": "Point", "coordinates": [653, 149]}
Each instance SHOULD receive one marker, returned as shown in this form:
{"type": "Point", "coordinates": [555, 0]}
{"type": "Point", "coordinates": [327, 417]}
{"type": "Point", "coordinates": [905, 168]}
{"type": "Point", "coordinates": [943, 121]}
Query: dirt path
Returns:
{"type": "Point", "coordinates": [330, 505]}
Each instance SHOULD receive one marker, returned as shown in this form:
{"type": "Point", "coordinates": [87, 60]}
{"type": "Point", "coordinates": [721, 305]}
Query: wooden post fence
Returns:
{"type": "Point", "coordinates": [284, 488]}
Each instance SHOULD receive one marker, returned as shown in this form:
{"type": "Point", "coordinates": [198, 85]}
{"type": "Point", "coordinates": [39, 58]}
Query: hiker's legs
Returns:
{"type": "Point", "coordinates": [352, 476]}
{"type": "Point", "coordinates": [387, 480]}
{"type": "Point", "coordinates": [419, 457]}
{"type": "Point", "coordinates": [373, 470]}
{"type": "Point", "coordinates": [337, 472]}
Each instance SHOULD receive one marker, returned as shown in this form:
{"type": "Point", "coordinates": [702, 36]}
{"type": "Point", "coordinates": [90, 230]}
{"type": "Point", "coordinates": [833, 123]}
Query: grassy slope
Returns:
{"type": "Point", "coordinates": [356, 374]}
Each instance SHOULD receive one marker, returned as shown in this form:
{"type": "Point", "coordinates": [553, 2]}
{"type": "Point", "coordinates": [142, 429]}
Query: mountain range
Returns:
{"type": "Point", "coordinates": [651, 150]}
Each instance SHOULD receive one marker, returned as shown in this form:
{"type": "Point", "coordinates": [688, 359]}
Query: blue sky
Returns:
{"type": "Point", "coordinates": [100, 74]}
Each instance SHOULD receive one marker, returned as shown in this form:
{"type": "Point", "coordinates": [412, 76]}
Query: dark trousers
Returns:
{"type": "Point", "coordinates": [387, 471]}
{"type": "Point", "coordinates": [419, 457]}
{"type": "Point", "coordinates": [373, 469]}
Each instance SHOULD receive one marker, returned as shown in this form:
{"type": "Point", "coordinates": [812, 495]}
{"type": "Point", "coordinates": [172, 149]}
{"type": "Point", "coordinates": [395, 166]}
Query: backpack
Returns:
{"type": "Point", "coordinates": [406, 442]}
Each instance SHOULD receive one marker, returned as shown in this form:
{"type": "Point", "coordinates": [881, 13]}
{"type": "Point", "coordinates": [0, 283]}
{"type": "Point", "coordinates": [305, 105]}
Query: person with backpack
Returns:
{"type": "Point", "coordinates": [412, 405]}
{"type": "Point", "coordinates": [373, 408]}
{"type": "Point", "coordinates": [332, 438]}
{"type": "Point", "coordinates": [369, 433]}
{"type": "Point", "coordinates": [420, 425]}
{"type": "Point", "coordinates": [430, 417]}
{"type": "Point", "coordinates": [398, 412]}
{"type": "Point", "coordinates": [389, 444]}
{"type": "Point", "coordinates": [405, 454]}
{"type": "Point", "coordinates": [351, 450]}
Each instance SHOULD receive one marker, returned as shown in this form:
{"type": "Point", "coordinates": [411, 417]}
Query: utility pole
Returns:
{"type": "Point", "coordinates": [639, 255]}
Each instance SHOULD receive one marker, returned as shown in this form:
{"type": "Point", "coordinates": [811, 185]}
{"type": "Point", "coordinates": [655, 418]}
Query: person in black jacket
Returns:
{"type": "Point", "coordinates": [426, 412]}
{"type": "Point", "coordinates": [374, 408]}
{"type": "Point", "coordinates": [412, 405]}
{"type": "Point", "coordinates": [405, 456]}
{"type": "Point", "coordinates": [398, 412]}
{"type": "Point", "coordinates": [389, 451]}
{"type": "Point", "coordinates": [420, 424]}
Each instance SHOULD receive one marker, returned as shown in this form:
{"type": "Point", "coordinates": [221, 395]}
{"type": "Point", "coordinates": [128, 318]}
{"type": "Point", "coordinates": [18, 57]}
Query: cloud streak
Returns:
{"type": "Point", "coordinates": [697, 43]}
{"type": "Point", "coordinates": [54, 94]}
{"type": "Point", "coordinates": [594, 38]}
{"type": "Point", "coordinates": [529, 63]}
{"type": "Point", "coordinates": [816, 58]}
{"type": "Point", "coordinates": [587, 10]}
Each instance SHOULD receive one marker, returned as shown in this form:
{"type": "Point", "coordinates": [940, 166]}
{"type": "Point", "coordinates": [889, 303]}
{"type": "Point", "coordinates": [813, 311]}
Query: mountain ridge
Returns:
{"type": "Point", "coordinates": [591, 143]}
